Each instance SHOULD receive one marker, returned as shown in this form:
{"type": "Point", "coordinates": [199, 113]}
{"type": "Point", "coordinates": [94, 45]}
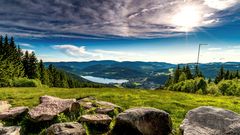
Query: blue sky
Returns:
{"type": "Point", "coordinates": [133, 30]}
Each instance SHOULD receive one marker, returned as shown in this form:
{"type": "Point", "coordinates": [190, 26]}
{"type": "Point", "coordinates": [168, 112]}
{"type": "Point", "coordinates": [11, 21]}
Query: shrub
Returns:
{"type": "Point", "coordinates": [24, 82]}
{"type": "Point", "coordinates": [201, 84]}
{"type": "Point", "coordinates": [213, 89]}
{"type": "Point", "coordinates": [5, 82]}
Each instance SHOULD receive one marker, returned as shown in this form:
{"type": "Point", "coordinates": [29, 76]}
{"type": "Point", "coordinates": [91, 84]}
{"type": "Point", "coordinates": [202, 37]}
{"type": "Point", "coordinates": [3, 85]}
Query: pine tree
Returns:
{"type": "Point", "coordinates": [182, 77]}
{"type": "Point", "coordinates": [169, 81]}
{"type": "Point", "coordinates": [26, 64]}
{"type": "Point", "coordinates": [6, 50]}
{"type": "Point", "coordinates": [43, 75]}
{"type": "Point", "coordinates": [177, 74]}
{"type": "Point", "coordinates": [1, 45]}
{"type": "Point", "coordinates": [33, 67]}
{"type": "Point", "coordinates": [237, 75]}
{"type": "Point", "coordinates": [220, 75]}
{"type": "Point", "coordinates": [197, 72]}
{"type": "Point", "coordinates": [226, 75]}
{"type": "Point", "coordinates": [188, 72]}
{"type": "Point", "coordinates": [51, 74]}
{"type": "Point", "coordinates": [209, 80]}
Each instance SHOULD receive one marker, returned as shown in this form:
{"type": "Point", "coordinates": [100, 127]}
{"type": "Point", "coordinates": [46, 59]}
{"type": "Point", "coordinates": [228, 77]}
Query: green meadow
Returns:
{"type": "Point", "coordinates": [177, 104]}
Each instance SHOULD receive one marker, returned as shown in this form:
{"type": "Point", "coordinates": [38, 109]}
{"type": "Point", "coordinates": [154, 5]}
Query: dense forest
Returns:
{"type": "Point", "coordinates": [225, 83]}
{"type": "Point", "coordinates": [22, 69]}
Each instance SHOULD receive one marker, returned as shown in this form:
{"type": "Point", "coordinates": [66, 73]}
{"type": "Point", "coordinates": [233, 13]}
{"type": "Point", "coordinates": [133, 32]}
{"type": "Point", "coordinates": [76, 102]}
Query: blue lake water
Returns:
{"type": "Point", "coordinates": [104, 80]}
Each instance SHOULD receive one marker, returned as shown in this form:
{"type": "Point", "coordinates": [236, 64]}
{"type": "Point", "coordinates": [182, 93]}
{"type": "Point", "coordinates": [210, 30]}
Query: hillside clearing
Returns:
{"type": "Point", "coordinates": [175, 103]}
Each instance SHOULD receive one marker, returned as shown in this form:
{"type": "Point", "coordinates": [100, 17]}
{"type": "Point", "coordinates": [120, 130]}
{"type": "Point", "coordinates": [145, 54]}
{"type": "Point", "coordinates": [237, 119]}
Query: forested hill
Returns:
{"type": "Point", "coordinates": [22, 69]}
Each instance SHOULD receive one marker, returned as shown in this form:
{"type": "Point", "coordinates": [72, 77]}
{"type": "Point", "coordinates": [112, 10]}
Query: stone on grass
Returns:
{"type": "Point", "coordinates": [96, 119]}
{"type": "Point", "coordinates": [13, 113]}
{"type": "Point", "coordinates": [207, 120]}
{"type": "Point", "coordinates": [4, 106]}
{"type": "Point", "coordinates": [102, 107]}
{"type": "Point", "coordinates": [143, 121]}
{"type": "Point", "coordinates": [67, 128]}
{"type": "Point", "coordinates": [96, 123]}
{"type": "Point", "coordinates": [12, 130]}
{"type": "Point", "coordinates": [49, 108]}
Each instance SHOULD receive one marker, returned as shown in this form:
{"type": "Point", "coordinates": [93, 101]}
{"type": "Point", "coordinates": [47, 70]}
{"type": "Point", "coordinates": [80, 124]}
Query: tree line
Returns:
{"type": "Point", "coordinates": [22, 69]}
{"type": "Point", "coordinates": [193, 81]}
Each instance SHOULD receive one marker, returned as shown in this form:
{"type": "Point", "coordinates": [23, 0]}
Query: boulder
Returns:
{"type": "Point", "coordinates": [4, 106]}
{"type": "Point", "coordinates": [143, 121]}
{"type": "Point", "coordinates": [102, 107]}
{"type": "Point", "coordinates": [207, 120]}
{"type": "Point", "coordinates": [68, 128]}
{"type": "Point", "coordinates": [75, 107]}
{"type": "Point", "coordinates": [13, 130]}
{"type": "Point", "coordinates": [96, 123]}
{"type": "Point", "coordinates": [96, 119]}
{"type": "Point", "coordinates": [13, 113]}
{"type": "Point", "coordinates": [106, 107]}
{"type": "Point", "coordinates": [49, 108]}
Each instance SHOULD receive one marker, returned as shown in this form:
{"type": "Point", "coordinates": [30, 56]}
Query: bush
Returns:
{"type": "Point", "coordinates": [213, 89]}
{"type": "Point", "coordinates": [5, 82]}
{"type": "Point", "coordinates": [201, 84]}
{"type": "Point", "coordinates": [24, 82]}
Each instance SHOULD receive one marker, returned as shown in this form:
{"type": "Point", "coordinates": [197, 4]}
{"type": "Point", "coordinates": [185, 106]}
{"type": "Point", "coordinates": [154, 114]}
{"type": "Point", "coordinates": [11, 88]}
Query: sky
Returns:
{"type": "Point", "coordinates": [125, 30]}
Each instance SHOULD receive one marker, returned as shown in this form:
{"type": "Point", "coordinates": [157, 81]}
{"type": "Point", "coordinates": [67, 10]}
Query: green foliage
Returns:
{"type": "Point", "coordinates": [25, 82]}
{"type": "Point", "coordinates": [213, 89]}
{"type": "Point", "coordinates": [229, 87]}
{"type": "Point", "coordinates": [226, 82]}
{"type": "Point", "coordinates": [182, 77]}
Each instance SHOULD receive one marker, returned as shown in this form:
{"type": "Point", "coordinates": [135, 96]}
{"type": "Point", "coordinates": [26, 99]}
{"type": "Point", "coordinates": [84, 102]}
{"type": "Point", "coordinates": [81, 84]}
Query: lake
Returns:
{"type": "Point", "coordinates": [104, 80]}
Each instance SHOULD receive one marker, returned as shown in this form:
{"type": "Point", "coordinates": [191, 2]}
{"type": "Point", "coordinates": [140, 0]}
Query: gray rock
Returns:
{"type": "Point", "coordinates": [101, 107]}
{"type": "Point", "coordinates": [207, 120]}
{"type": "Point", "coordinates": [4, 106]}
{"type": "Point", "coordinates": [96, 123]}
{"type": "Point", "coordinates": [13, 130]}
{"type": "Point", "coordinates": [96, 119]}
{"type": "Point", "coordinates": [13, 113]}
{"type": "Point", "coordinates": [49, 108]}
{"type": "Point", "coordinates": [68, 128]}
{"type": "Point", "coordinates": [143, 121]}
{"type": "Point", "coordinates": [75, 107]}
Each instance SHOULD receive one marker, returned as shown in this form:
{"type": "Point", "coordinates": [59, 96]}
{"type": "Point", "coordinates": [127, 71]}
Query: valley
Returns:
{"type": "Point", "coordinates": [145, 75]}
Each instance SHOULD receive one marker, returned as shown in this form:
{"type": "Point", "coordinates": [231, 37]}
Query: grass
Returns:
{"type": "Point", "coordinates": [177, 104]}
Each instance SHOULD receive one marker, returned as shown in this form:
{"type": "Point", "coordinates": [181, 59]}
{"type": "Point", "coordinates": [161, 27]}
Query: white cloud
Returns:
{"type": "Point", "coordinates": [25, 45]}
{"type": "Point", "coordinates": [236, 47]}
{"type": "Point", "coordinates": [214, 49]}
{"type": "Point", "coordinates": [103, 19]}
{"type": "Point", "coordinates": [75, 51]}
{"type": "Point", "coordinates": [220, 4]}
{"type": "Point", "coordinates": [82, 54]}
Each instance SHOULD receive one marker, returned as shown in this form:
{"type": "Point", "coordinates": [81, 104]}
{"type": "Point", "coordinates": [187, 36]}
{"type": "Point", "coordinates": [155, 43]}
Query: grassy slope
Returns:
{"type": "Point", "coordinates": [175, 103]}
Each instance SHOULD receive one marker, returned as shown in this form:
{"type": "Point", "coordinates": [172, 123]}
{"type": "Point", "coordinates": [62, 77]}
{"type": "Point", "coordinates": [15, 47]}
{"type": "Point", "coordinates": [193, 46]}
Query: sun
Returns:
{"type": "Point", "coordinates": [187, 18]}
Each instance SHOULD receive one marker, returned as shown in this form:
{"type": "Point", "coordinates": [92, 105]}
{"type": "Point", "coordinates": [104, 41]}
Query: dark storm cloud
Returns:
{"type": "Point", "coordinates": [95, 18]}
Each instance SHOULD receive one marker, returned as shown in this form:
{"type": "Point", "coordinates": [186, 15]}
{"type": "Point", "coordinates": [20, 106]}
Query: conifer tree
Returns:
{"type": "Point", "coordinates": [177, 74]}
{"type": "Point", "coordinates": [182, 77]}
{"type": "Point", "coordinates": [188, 72]}
{"type": "Point", "coordinates": [169, 81]}
{"type": "Point", "coordinates": [1, 45]}
{"type": "Point", "coordinates": [220, 75]}
{"type": "Point", "coordinates": [43, 75]}
{"type": "Point", "coordinates": [237, 75]}
{"type": "Point", "coordinates": [33, 67]}
{"type": "Point", "coordinates": [197, 72]}
{"type": "Point", "coordinates": [26, 64]}
{"type": "Point", "coordinates": [226, 75]}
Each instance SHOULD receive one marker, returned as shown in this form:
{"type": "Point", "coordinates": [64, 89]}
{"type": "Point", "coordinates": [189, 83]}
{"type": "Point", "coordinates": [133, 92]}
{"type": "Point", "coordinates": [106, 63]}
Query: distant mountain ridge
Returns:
{"type": "Point", "coordinates": [144, 73]}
